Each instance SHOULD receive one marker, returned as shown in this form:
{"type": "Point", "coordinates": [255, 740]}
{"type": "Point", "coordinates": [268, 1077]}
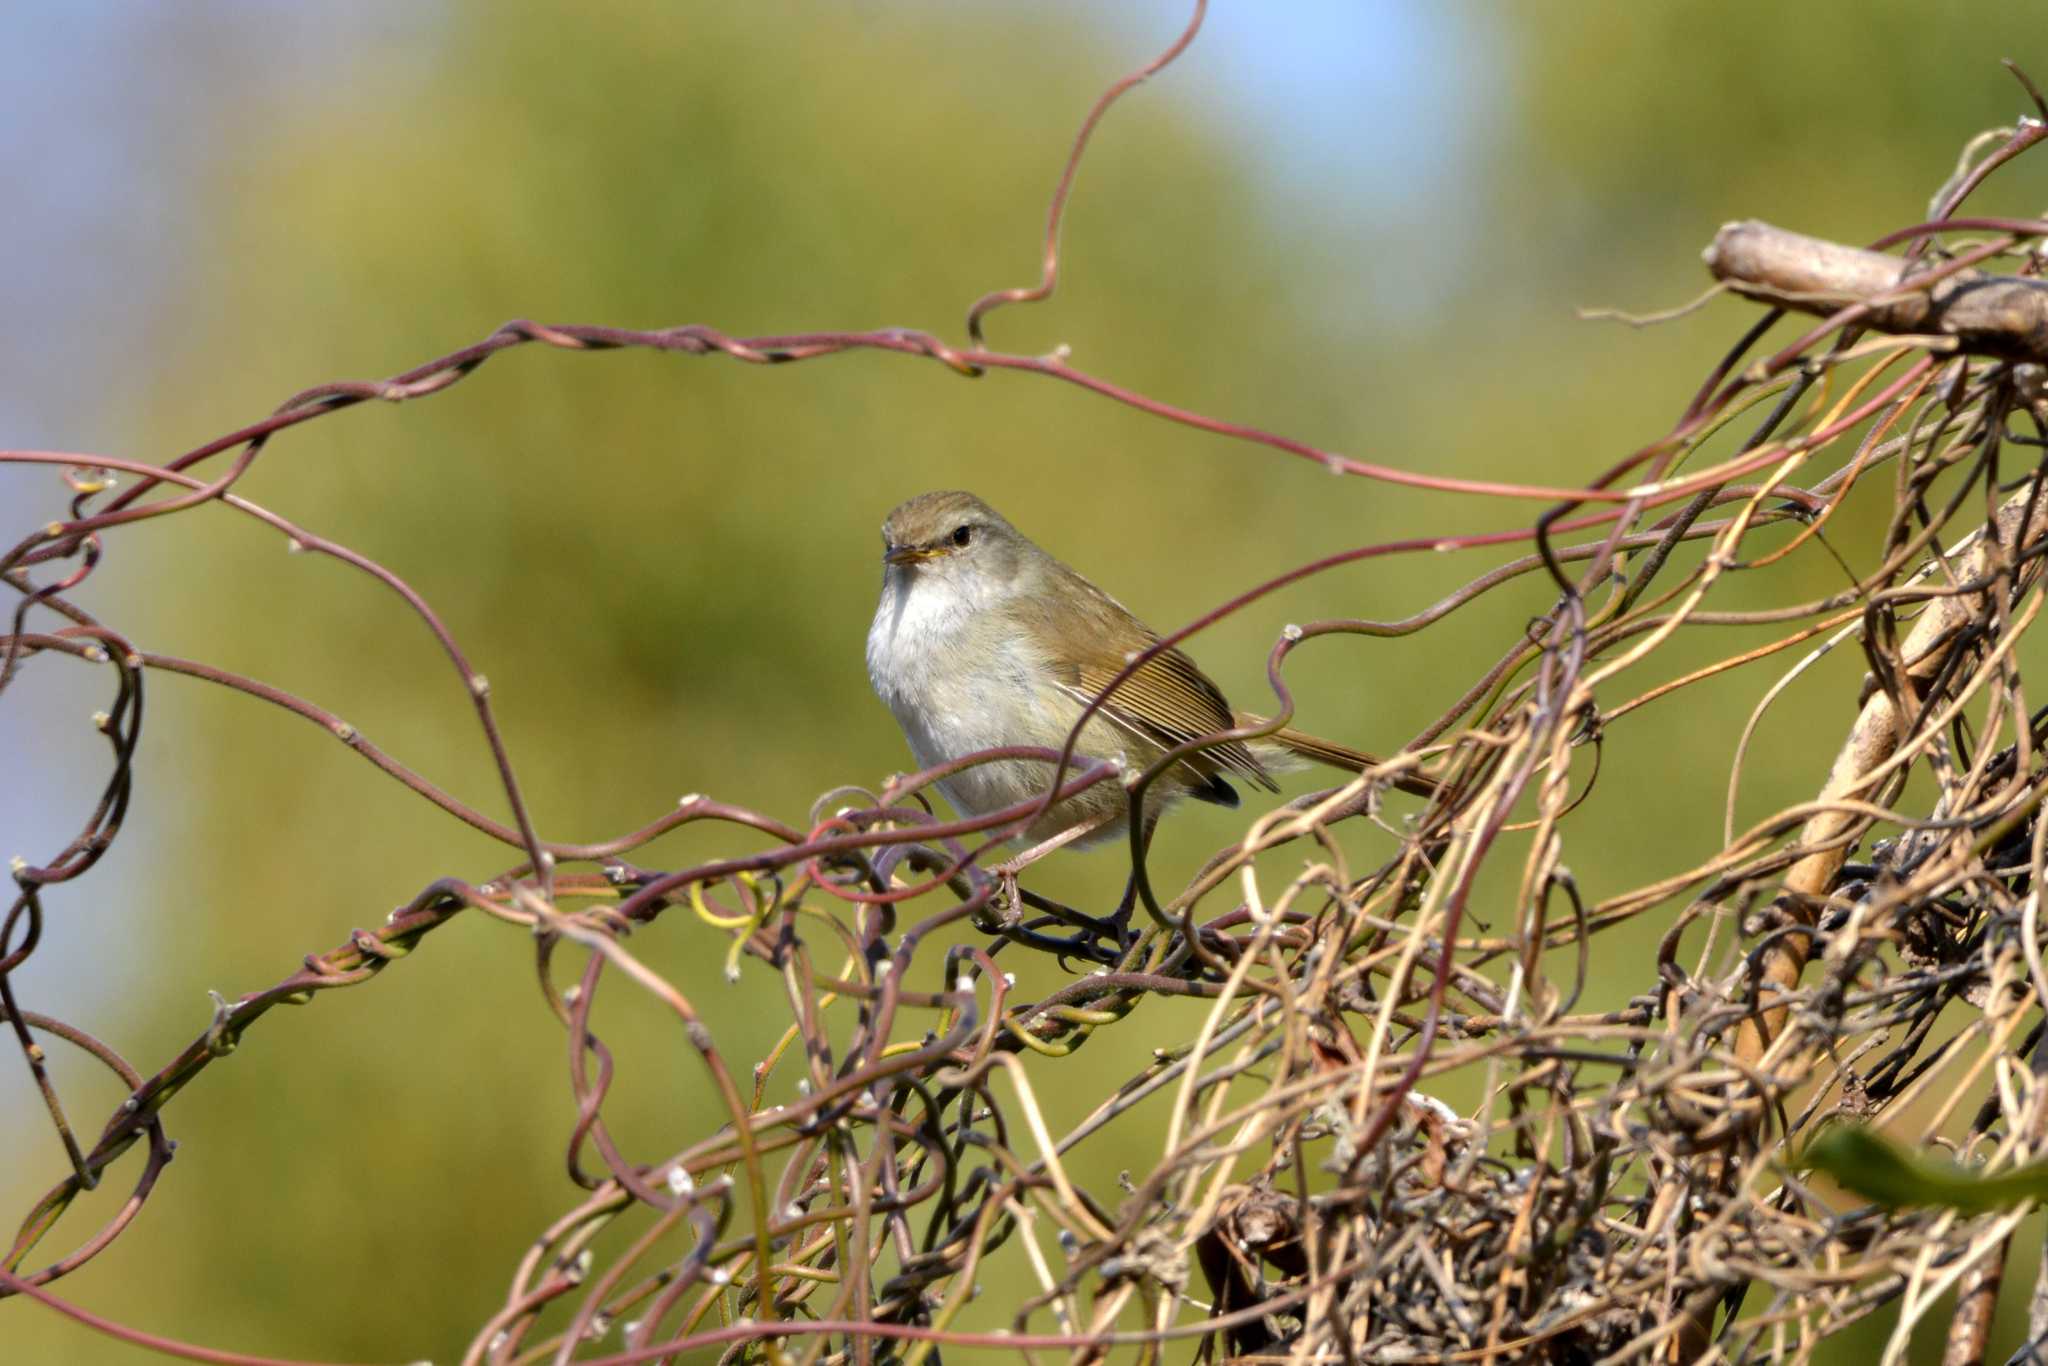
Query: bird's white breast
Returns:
{"type": "Point", "coordinates": [957, 682]}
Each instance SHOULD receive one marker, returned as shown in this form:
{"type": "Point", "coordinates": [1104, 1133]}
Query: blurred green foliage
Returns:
{"type": "Point", "coordinates": [666, 565]}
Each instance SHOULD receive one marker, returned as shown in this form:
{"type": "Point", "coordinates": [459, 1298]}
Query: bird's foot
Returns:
{"type": "Point", "coordinates": [1096, 940]}
{"type": "Point", "coordinates": [1089, 946]}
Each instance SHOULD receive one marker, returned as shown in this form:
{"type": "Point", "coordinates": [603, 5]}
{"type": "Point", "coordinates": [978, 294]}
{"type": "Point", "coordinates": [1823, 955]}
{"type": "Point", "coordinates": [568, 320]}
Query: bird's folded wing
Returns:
{"type": "Point", "coordinates": [1168, 701]}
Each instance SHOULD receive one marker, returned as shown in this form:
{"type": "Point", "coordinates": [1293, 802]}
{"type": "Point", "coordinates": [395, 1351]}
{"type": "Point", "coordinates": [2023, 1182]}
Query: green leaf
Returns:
{"type": "Point", "coordinates": [1888, 1174]}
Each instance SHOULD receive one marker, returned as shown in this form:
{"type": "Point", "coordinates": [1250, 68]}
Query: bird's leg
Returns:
{"type": "Point", "coordinates": [1121, 916]}
{"type": "Point", "coordinates": [1006, 871]}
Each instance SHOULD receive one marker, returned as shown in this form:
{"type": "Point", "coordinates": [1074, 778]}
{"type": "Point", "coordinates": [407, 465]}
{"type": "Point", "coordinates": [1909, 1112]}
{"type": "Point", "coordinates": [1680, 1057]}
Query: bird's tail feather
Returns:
{"type": "Point", "coordinates": [1318, 750]}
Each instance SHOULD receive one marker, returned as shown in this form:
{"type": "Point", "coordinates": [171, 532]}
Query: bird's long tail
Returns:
{"type": "Point", "coordinates": [1316, 749]}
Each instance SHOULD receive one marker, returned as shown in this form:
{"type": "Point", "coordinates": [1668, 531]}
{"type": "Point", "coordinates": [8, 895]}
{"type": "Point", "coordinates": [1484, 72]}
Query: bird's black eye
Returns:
{"type": "Point", "coordinates": [962, 534]}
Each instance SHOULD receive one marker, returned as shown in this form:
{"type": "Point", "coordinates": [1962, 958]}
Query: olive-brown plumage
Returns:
{"type": "Point", "coordinates": [982, 640]}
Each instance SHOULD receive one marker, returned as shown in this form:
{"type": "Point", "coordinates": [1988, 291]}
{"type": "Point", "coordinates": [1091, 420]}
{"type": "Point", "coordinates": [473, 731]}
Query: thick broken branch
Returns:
{"type": "Point", "coordinates": [1997, 315]}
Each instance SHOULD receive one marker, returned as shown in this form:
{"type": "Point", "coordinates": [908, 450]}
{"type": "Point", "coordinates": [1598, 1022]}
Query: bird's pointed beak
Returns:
{"type": "Point", "coordinates": [907, 554]}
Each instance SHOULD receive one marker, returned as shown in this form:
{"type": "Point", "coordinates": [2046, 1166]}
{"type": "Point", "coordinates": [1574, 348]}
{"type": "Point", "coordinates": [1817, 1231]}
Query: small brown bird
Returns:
{"type": "Point", "coordinates": [983, 640]}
